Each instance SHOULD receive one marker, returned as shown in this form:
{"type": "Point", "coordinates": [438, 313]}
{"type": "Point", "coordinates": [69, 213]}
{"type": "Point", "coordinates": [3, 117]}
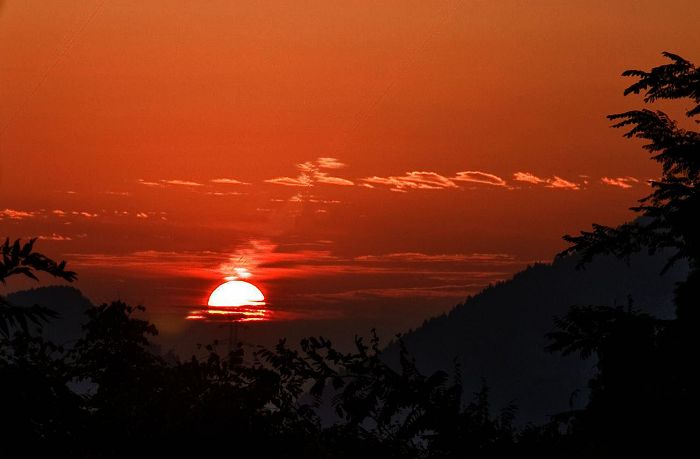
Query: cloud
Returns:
{"type": "Point", "coordinates": [228, 181]}
{"type": "Point", "coordinates": [416, 180]}
{"type": "Point", "coordinates": [554, 182]}
{"type": "Point", "coordinates": [176, 182]}
{"type": "Point", "coordinates": [304, 268]}
{"type": "Point", "coordinates": [260, 258]}
{"type": "Point", "coordinates": [225, 193]}
{"type": "Point", "coordinates": [424, 180]}
{"type": "Point", "coordinates": [13, 214]}
{"type": "Point", "coordinates": [418, 257]}
{"type": "Point", "coordinates": [558, 182]}
{"type": "Point", "coordinates": [154, 263]}
{"type": "Point", "coordinates": [267, 261]}
{"type": "Point", "coordinates": [411, 275]}
{"type": "Point", "coordinates": [322, 177]}
{"type": "Point", "coordinates": [312, 172]}
{"type": "Point", "coordinates": [455, 291]}
{"type": "Point", "coordinates": [329, 163]}
{"type": "Point", "coordinates": [181, 182]}
{"type": "Point", "coordinates": [68, 216]}
{"type": "Point", "coordinates": [290, 181]}
{"type": "Point", "coordinates": [83, 213]}
{"type": "Point", "coordinates": [305, 197]}
{"type": "Point", "coordinates": [527, 177]}
{"type": "Point", "coordinates": [55, 237]}
{"type": "Point", "coordinates": [149, 183]}
{"type": "Point", "coordinates": [479, 177]}
{"type": "Point", "coordinates": [117, 193]}
{"type": "Point", "coordinates": [621, 182]}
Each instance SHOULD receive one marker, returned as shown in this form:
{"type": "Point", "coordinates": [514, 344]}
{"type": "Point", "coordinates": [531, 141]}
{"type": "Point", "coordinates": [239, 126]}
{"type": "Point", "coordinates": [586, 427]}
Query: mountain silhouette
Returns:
{"type": "Point", "coordinates": [69, 303]}
{"type": "Point", "coordinates": [498, 335]}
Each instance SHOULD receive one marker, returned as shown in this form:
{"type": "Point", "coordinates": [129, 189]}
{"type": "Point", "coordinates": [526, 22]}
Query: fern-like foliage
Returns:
{"type": "Point", "coordinates": [20, 259]}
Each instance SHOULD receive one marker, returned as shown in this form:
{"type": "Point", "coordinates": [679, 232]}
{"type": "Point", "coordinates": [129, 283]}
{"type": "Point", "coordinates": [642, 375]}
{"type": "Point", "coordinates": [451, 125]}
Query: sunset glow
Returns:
{"type": "Point", "coordinates": [410, 228]}
{"type": "Point", "coordinates": [233, 301]}
{"type": "Point", "coordinates": [236, 293]}
{"type": "Point", "coordinates": [375, 162]}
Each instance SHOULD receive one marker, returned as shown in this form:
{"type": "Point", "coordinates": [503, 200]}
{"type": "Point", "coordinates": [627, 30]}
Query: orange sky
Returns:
{"type": "Point", "coordinates": [394, 156]}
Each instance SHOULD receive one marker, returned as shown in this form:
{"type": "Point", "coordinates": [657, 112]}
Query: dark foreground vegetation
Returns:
{"type": "Point", "coordinates": [111, 395]}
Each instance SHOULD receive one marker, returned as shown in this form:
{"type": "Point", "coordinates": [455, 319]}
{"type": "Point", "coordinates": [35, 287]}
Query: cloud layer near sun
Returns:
{"type": "Point", "coordinates": [323, 275]}
{"type": "Point", "coordinates": [305, 276]}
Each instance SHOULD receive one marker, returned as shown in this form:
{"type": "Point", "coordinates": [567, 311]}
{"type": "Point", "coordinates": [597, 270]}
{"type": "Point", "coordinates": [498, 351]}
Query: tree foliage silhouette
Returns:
{"type": "Point", "coordinates": [21, 260]}
{"type": "Point", "coordinates": [645, 376]}
{"type": "Point", "coordinates": [670, 213]}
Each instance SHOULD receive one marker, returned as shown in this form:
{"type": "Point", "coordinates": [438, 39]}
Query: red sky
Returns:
{"type": "Point", "coordinates": [368, 162]}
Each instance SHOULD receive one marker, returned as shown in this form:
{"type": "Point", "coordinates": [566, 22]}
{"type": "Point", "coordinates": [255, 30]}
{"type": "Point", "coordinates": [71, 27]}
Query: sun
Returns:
{"type": "Point", "coordinates": [233, 301]}
{"type": "Point", "coordinates": [236, 293]}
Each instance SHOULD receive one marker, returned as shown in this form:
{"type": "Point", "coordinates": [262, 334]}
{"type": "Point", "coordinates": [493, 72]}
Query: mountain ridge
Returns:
{"type": "Point", "coordinates": [498, 335]}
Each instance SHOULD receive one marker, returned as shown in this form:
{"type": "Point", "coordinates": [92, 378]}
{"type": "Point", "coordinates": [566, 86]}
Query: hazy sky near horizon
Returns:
{"type": "Point", "coordinates": [363, 160]}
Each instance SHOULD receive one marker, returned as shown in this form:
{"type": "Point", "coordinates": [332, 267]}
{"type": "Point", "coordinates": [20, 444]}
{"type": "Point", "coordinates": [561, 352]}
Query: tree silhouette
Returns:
{"type": "Point", "coordinates": [21, 260]}
{"type": "Point", "coordinates": [670, 213]}
{"type": "Point", "coordinates": [645, 378]}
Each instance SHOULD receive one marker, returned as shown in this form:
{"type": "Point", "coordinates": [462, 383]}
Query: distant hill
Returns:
{"type": "Point", "coordinates": [498, 335]}
{"type": "Point", "coordinates": [68, 302]}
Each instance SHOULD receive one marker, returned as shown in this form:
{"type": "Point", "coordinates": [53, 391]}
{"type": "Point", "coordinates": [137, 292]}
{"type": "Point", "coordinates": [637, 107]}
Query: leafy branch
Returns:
{"type": "Point", "coordinates": [21, 259]}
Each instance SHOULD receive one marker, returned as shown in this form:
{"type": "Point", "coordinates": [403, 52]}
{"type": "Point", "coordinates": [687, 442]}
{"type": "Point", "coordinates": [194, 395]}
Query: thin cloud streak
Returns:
{"type": "Point", "coordinates": [620, 182]}
{"type": "Point", "coordinates": [266, 262]}
{"type": "Point", "coordinates": [228, 181]}
{"type": "Point", "coordinates": [181, 182]}
{"type": "Point", "coordinates": [553, 182]}
{"type": "Point", "coordinates": [479, 177]}
{"type": "Point", "coordinates": [329, 163]}
{"type": "Point", "coordinates": [527, 177]}
{"type": "Point", "coordinates": [66, 216]}
{"type": "Point", "coordinates": [558, 182]}
{"type": "Point", "coordinates": [452, 258]}
{"type": "Point", "coordinates": [225, 193]}
{"type": "Point", "coordinates": [55, 237]}
{"type": "Point", "coordinates": [426, 292]}
{"type": "Point", "coordinates": [14, 214]}
{"type": "Point", "coordinates": [322, 177]}
{"type": "Point", "coordinates": [165, 182]}
{"type": "Point", "coordinates": [415, 180]}
{"type": "Point", "coordinates": [308, 268]}
{"type": "Point", "coordinates": [291, 181]}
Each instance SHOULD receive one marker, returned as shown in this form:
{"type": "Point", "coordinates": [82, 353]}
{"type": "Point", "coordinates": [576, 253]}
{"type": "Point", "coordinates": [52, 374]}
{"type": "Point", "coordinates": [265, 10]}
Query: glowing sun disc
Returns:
{"type": "Point", "coordinates": [236, 293]}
